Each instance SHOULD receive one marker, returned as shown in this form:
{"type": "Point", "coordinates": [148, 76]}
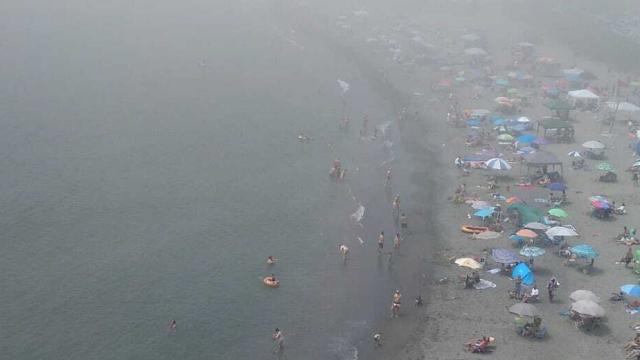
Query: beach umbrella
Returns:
{"type": "Point", "coordinates": [598, 198]}
{"type": "Point", "coordinates": [523, 272]}
{"type": "Point", "coordinates": [502, 82]}
{"type": "Point", "coordinates": [526, 138]}
{"type": "Point", "coordinates": [486, 235]}
{"type": "Point", "coordinates": [497, 164]}
{"type": "Point", "coordinates": [593, 145]}
{"type": "Point", "coordinates": [574, 154]}
{"type": "Point", "coordinates": [584, 295]}
{"type": "Point", "coordinates": [505, 137]}
{"type": "Point", "coordinates": [604, 166]}
{"type": "Point", "coordinates": [631, 290]}
{"type": "Point", "coordinates": [584, 251]}
{"type": "Point", "coordinates": [475, 52]}
{"type": "Point", "coordinates": [600, 204]}
{"type": "Point", "coordinates": [556, 186]}
{"type": "Point", "coordinates": [588, 307]}
{"type": "Point", "coordinates": [468, 262]}
{"type": "Point", "coordinates": [558, 213]}
{"type": "Point", "coordinates": [499, 122]}
{"type": "Point", "coordinates": [483, 213]}
{"type": "Point", "coordinates": [526, 150]}
{"type": "Point", "coordinates": [526, 233]}
{"type": "Point", "coordinates": [560, 231]}
{"type": "Point", "coordinates": [532, 251]}
{"type": "Point", "coordinates": [501, 99]}
{"type": "Point", "coordinates": [512, 200]}
{"type": "Point", "coordinates": [524, 309]}
{"type": "Point", "coordinates": [536, 226]}
{"type": "Point", "coordinates": [480, 112]}
{"type": "Point", "coordinates": [523, 120]}
{"type": "Point", "coordinates": [504, 256]}
{"type": "Point", "coordinates": [477, 205]}
{"type": "Point", "coordinates": [473, 122]}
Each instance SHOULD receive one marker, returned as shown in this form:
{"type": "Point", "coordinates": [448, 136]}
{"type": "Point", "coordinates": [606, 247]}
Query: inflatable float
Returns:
{"type": "Point", "coordinates": [271, 283]}
{"type": "Point", "coordinates": [471, 229]}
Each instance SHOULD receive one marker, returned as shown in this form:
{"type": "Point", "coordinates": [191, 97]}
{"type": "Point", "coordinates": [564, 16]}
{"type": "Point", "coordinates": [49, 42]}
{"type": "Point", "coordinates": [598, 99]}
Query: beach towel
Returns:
{"type": "Point", "coordinates": [484, 284]}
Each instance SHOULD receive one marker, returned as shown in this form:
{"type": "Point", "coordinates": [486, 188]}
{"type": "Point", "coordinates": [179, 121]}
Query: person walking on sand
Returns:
{"type": "Point", "coordinates": [552, 285]}
{"type": "Point", "coordinates": [380, 242]}
{"type": "Point", "coordinates": [396, 243]}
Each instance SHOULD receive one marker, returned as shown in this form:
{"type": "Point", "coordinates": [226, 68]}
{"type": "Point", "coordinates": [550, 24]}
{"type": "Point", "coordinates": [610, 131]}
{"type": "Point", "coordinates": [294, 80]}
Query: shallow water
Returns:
{"type": "Point", "coordinates": [151, 165]}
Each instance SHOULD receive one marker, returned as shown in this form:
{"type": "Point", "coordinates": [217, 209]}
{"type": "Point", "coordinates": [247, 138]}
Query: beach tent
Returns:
{"type": "Point", "coordinates": [527, 214]}
{"type": "Point", "coordinates": [623, 106]}
{"type": "Point", "coordinates": [584, 95]}
{"type": "Point", "coordinates": [523, 272]}
{"type": "Point", "coordinates": [553, 124]}
{"type": "Point", "coordinates": [542, 159]}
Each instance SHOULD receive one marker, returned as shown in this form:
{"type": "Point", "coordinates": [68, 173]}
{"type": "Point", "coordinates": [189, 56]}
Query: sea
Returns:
{"type": "Point", "coordinates": [150, 164]}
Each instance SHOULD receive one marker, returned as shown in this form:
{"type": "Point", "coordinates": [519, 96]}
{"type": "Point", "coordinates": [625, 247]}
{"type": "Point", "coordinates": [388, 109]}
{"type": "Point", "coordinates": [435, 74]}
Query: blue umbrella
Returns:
{"type": "Point", "coordinates": [523, 272]}
{"type": "Point", "coordinates": [631, 290]}
{"type": "Point", "coordinates": [498, 121]}
{"type": "Point", "coordinates": [502, 82]}
{"type": "Point", "coordinates": [526, 150]}
{"type": "Point", "coordinates": [517, 238]}
{"type": "Point", "coordinates": [483, 213]}
{"type": "Point", "coordinates": [504, 256]}
{"type": "Point", "coordinates": [557, 186]}
{"type": "Point", "coordinates": [473, 122]}
{"type": "Point", "coordinates": [526, 138]}
{"type": "Point", "coordinates": [585, 251]}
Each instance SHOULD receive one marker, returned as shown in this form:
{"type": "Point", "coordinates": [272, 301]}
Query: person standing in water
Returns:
{"type": "Point", "coordinates": [344, 251]}
{"type": "Point", "coordinates": [387, 181]}
{"type": "Point", "coordinates": [278, 338]}
{"type": "Point", "coordinates": [173, 326]}
{"type": "Point", "coordinates": [396, 209]}
{"type": "Point", "coordinates": [380, 242]}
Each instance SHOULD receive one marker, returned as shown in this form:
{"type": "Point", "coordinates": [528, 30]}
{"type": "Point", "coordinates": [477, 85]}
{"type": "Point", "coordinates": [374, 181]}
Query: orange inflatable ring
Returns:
{"type": "Point", "coordinates": [271, 283]}
{"type": "Point", "coordinates": [470, 229]}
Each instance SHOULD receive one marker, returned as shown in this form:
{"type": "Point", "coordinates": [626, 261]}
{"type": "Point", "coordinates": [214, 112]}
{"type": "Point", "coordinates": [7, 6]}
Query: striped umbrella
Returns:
{"type": "Point", "coordinates": [497, 164]}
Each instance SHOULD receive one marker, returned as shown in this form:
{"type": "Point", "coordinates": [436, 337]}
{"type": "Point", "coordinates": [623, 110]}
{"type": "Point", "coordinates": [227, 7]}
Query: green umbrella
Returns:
{"type": "Point", "coordinates": [558, 213]}
{"type": "Point", "coordinates": [605, 166]}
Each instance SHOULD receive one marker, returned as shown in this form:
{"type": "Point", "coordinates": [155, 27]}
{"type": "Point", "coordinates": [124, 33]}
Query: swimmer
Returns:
{"type": "Point", "coordinates": [272, 278]}
{"type": "Point", "coordinates": [271, 260]}
{"type": "Point", "coordinates": [344, 251]}
{"type": "Point", "coordinates": [377, 340]}
{"type": "Point", "coordinates": [381, 242]}
{"type": "Point", "coordinates": [303, 138]}
{"type": "Point", "coordinates": [173, 326]}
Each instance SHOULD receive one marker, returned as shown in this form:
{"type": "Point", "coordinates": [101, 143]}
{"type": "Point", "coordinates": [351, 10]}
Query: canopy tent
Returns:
{"type": "Point", "coordinates": [561, 107]}
{"type": "Point", "coordinates": [623, 106]}
{"type": "Point", "coordinates": [526, 213]}
{"type": "Point", "coordinates": [583, 95]}
{"type": "Point", "coordinates": [553, 124]}
{"type": "Point", "coordinates": [543, 160]}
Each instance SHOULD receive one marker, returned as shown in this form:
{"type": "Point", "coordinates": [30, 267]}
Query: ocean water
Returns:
{"type": "Point", "coordinates": [150, 165]}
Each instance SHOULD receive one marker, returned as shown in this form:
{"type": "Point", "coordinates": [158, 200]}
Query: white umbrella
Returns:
{"type": "Point", "coordinates": [594, 144]}
{"type": "Point", "coordinates": [497, 164]}
{"type": "Point", "coordinates": [560, 231]}
{"type": "Point", "coordinates": [523, 119]}
{"type": "Point", "coordinates": [536, 226]}
{"type": "Point", "coordinates": [574, 154]}
{"type": "Point", "coordinates": [475, 52]}
{"type": "Point", "coordinates": [588, 307]}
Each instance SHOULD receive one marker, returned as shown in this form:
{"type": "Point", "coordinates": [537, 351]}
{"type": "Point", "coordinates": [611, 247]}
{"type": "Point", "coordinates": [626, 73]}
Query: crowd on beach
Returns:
{"type": "Point", "coordinates": [518, 115]}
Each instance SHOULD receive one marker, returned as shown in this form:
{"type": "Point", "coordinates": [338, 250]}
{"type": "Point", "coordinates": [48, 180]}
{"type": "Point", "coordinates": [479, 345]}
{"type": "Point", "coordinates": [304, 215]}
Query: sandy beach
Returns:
{"type": "Point", "coordinates": [454, 315]}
